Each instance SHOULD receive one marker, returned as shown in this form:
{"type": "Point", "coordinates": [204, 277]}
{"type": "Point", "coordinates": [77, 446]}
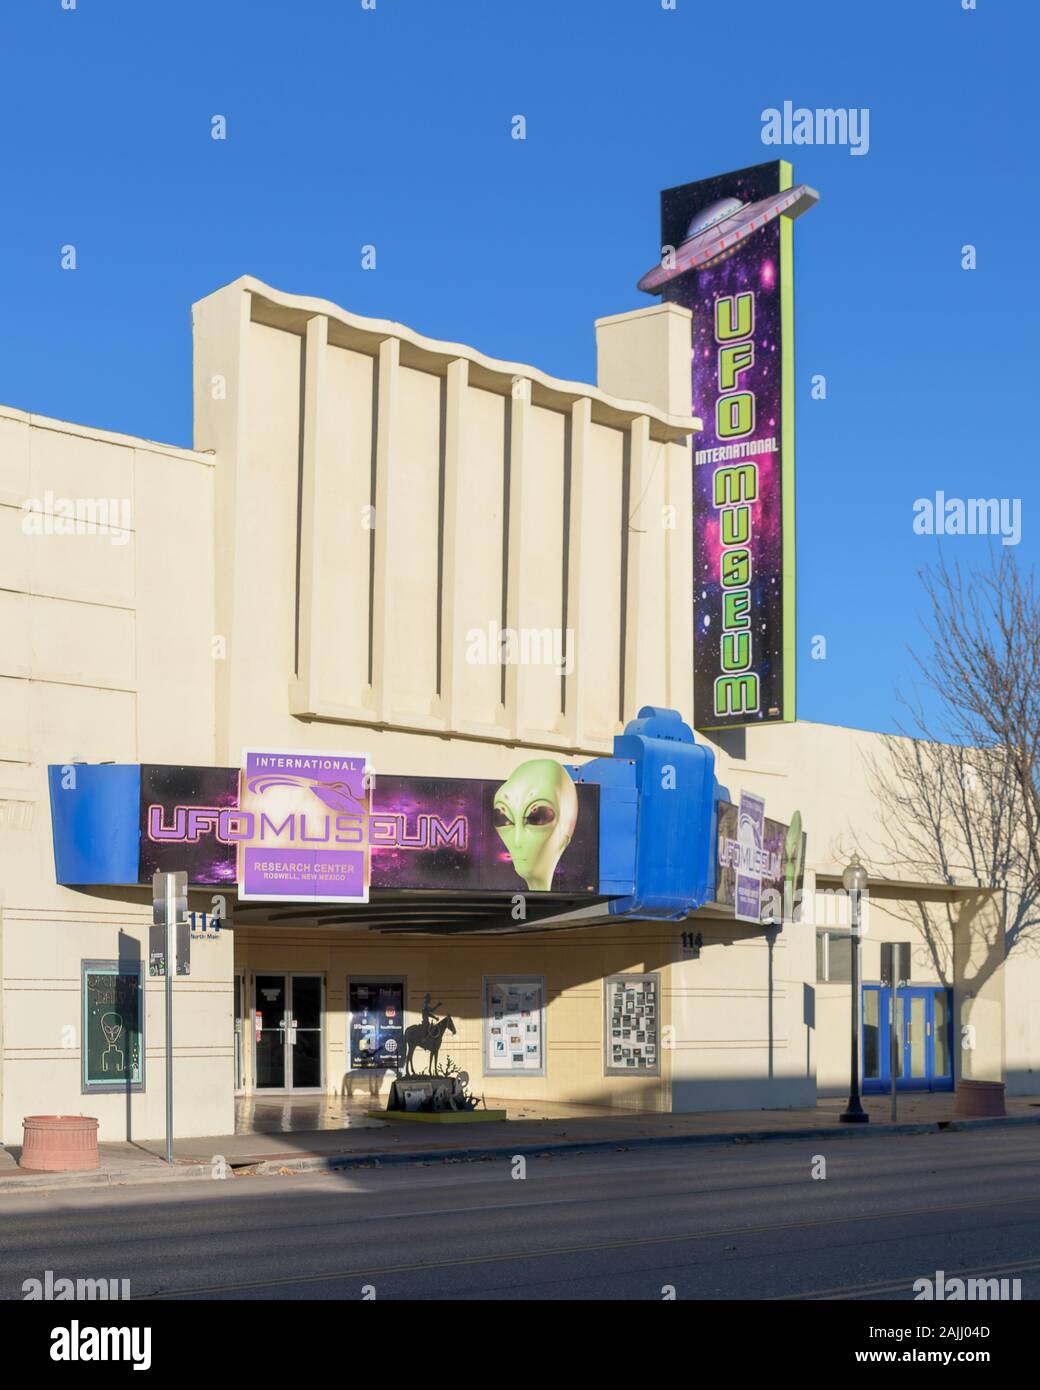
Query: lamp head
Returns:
{"type": "Point", "coordinates": [854, 879]}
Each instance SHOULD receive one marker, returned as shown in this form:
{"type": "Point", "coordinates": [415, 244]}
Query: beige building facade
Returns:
{"type": "Point", "coordinates": [331, 568]}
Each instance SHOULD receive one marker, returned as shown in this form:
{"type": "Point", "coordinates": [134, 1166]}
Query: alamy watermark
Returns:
{"type": "Point", "coordinates": [830, 125]}
{"type": "Point", "coordinates": [524, 646]}
{"type": "Point", "coordinates": [77, 516]}
{"type": "Point", "coordinates": [946, 1290]}
{"type": "Point", "coordinates": [60, 1289]}
{"type": "Point", "coordinates": [971, 516]}
{"type": "Point", "coordinates": [79, 1342]}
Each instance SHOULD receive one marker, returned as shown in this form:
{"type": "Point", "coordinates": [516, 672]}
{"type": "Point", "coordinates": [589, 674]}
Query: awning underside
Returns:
{"type": "Point", "coordinates": [433, 913]}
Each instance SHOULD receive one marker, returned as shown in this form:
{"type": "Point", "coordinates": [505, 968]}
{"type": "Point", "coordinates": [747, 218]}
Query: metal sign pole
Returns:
{"type": "Point", "coordinates": [892, 1037]}
{"type": "Point", "coordinates": [171, 928]}
{"type": "Point", "coordinates": [895, 971]}
{"type": "Point", "coordinates": [169, 908]}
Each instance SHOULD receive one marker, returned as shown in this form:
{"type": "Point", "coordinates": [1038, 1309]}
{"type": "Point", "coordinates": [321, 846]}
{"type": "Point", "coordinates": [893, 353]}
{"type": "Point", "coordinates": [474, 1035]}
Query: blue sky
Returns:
{"type": "Point", "coordinates": [392, 127]}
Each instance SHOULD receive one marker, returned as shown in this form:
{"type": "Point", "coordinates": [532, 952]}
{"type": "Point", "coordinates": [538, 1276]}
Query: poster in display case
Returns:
{"type": "Point", "coordinates": [376, 1023]}
{"type": "Point", "coordinates": [632, 1025]}
{"type": "Point", "coordinates": [113, 1026]}
{"type": "Point", "coordinates": [514, 1025]}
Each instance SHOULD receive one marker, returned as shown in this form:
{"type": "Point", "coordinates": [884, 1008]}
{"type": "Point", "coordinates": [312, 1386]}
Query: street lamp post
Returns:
{"type": "Point", "coordinates": [854, 881]}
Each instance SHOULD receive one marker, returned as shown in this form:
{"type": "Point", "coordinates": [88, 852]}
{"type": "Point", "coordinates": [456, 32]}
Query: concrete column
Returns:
{"type": "Point", "coordinates": [680, 579]}
{"type": "Point", "coordinates": [642, 617]}
{"type": "Point", "coordinates": [220, 330]}
{"type": "Point", "coordinates": [317, 337]}
{"type": "Point", "coordinates": [518, 442]}
{"type": "Point", "coordinates": [453, 656]}
{"type": "Point", "coordinates": [382, 617]}
{"type": "Point", "coordinates": [577, 585]}
{"type": "Point", "coordinates": [977, 1034]}
{"type": "Point", "coordinates": [644, 355]}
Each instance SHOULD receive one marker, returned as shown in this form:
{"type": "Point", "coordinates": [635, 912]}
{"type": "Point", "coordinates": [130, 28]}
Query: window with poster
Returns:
{"type": "Point", "coordinates": [632, 1025]}
{"type": "Point", "coordinates": [112, 998]}
{"type": "Point", "coordinates": [375, 1026]}
{"type": "Point", "coordinates": [514, 1025]}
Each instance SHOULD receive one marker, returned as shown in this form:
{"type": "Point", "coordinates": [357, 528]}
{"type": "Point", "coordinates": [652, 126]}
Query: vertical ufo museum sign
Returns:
{"type": "Point", "coordinates": [727, 256]}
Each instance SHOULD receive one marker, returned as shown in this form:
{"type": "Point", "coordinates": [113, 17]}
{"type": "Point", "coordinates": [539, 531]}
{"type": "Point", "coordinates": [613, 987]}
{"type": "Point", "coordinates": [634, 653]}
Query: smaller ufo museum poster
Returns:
{"type": "Point", "coordinates": [733, 269]}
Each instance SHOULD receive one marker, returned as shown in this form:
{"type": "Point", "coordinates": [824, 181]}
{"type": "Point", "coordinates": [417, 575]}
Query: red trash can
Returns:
{"type": "Point", "coordinates": [59, 1143]}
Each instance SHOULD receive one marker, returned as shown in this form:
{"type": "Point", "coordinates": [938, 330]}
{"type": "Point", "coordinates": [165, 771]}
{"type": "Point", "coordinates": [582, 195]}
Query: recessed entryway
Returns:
{"type": "Point", "coordinates": [288, 1032]}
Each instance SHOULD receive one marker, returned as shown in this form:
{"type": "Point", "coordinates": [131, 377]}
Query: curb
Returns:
{"type": "Point", "coordinates": [318, 1163]}
{"type": "Point", "coordinates": [333, 1162]}
{"type": "Point", "coordinates": [674, 1141]}
{"type": "Point", "coordinates": [122, 1177]}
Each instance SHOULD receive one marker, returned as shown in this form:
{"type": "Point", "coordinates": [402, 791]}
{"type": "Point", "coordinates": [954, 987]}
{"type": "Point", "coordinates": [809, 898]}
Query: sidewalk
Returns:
{"type": "Point", "coordinates": [343, 1138]}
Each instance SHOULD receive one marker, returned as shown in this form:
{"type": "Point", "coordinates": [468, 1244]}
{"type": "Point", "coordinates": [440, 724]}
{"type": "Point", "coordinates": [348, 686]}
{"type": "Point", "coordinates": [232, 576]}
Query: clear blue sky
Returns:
{"type": "Point", "coordinates": [392, 127]}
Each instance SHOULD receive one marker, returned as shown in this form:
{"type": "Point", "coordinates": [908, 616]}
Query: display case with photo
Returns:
{"type": "Point", "coordinates": [630, 1011]}
{"type": "Point", "coordinates": [514, 1025]}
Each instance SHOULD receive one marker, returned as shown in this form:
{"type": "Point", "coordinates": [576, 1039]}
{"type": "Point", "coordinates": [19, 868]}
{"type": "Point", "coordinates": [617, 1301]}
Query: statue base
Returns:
{"type": "Point", "coordinates": [431, 1100]}
{"type": "Point", "coordinates": [439, 1117]}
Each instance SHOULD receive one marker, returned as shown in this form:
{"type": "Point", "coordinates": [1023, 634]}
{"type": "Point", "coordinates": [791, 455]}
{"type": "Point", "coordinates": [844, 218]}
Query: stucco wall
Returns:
{"type": "Point", "coordinates": [742, 1018]}
{"type": "Point", "coordinates": [442, 497]}
{"type": "Point", "coordinates": [1022, 986]}
{"type": "Point", "coordinates": [106, 655]}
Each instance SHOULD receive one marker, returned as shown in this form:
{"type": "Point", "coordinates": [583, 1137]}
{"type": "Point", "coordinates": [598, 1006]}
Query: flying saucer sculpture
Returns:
{"type": "Point", "coordinates": [717, 230]}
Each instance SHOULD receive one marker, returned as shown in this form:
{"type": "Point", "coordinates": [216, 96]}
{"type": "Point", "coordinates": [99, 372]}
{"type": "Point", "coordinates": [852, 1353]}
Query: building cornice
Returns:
{"type": "Point", "coordinates": [291, 313]}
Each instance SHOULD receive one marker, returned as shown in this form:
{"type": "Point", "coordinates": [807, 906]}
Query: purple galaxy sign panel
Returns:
{"type": "Point", "coordinates": [426, 832]}
{"type": "Point", "coordinates": [181, 810]}
{"type": "Point", "coordinates": [295, 829]}
{"type": "Point", "coordinates": [287, 826]}
{"type": "Point", "coordinates": [439, 833]}
{"type": "Point", "coordinates": [727, 257]}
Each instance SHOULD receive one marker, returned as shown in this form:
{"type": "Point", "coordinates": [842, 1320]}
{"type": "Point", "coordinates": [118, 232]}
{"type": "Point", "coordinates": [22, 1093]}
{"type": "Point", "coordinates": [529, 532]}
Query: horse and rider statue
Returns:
{"type": "Point", "coordinates": [429, 1034]}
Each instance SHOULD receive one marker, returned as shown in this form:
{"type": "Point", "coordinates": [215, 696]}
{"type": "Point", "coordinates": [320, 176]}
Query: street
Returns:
{"type": "Point", "coordinates": [709, 1222]}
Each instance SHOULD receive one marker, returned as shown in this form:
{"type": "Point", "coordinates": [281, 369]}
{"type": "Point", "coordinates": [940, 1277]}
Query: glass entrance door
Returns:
{"type": "Point", "coordinates": [269, 1003]}
{"type": "Point", "coordinates": [941, 1019]}
{"type": "Point", "coordinates": [287, 1028]}
{"type": "Point", "coordinates": [923, 1057]}
{"type": "Point", "coordinates": [305, 1031]}
{"type": "Point", "coordinates": [916, 1040]}
{"type": "Point", "coordinates": [240, 1032]}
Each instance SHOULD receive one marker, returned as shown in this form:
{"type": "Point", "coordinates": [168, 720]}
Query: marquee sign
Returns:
{"type": "Point", "coordinates": [760, 863]}
{"type": "Point", "coordinates": [747, 896]}
{"type": "Point", "coordinates": [727, 256]}
{"type": "Point", "coordinates": [293, 825]}
{"type": "Point", "coordinates": [636, 829]}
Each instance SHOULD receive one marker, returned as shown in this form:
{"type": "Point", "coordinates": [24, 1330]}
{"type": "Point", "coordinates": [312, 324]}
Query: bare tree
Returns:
{"type": "Point", "coordinates": [960, 786]}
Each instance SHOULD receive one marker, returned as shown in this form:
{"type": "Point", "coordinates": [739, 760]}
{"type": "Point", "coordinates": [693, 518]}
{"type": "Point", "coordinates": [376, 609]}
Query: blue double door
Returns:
{"type": "Point", "coordinates": [923, 1053]}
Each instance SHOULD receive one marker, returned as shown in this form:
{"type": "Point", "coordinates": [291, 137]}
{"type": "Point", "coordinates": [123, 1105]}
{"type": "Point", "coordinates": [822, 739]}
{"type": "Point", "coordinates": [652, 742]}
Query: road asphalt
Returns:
{"type": "Point", "coordinates": [792, 1219]}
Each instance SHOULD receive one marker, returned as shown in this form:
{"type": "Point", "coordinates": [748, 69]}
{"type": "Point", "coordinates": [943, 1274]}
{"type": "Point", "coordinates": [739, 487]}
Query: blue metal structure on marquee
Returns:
{"type": "Point", "coordinates": [660, 789]}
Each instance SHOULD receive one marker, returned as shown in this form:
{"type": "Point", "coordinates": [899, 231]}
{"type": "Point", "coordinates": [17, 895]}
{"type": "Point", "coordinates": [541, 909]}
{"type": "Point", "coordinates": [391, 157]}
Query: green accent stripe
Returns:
{"type": "Point", "coordinates": [789, 651]}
